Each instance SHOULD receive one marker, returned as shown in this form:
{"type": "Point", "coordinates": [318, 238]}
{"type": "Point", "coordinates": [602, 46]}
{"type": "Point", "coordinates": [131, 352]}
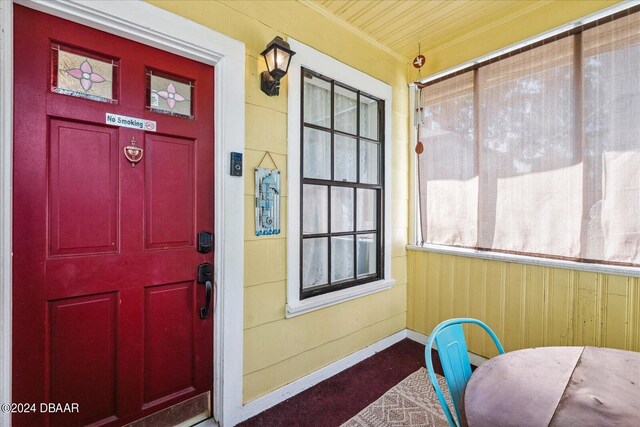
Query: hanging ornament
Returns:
{"type": "Point", "coordinates": [418, 120]}
{"type": "Point", "coordinates": [418, 63]}
{"type": "Point", "coordinates": [419, 147]}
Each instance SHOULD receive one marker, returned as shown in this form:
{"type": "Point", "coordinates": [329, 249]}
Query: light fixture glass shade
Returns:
{"type": "Point", "coordinates": [277, 56]}
{"type": "Point", "coordinates": [270, 59]}
{"type": "Point", "coordinates": [282, 60]}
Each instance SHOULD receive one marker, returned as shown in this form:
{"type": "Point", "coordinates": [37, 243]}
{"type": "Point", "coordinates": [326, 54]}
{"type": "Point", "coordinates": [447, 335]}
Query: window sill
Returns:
{"type": "Point", "coordinates": [530, 260]}
{"type": "Point", "coordinates": [296, 308]}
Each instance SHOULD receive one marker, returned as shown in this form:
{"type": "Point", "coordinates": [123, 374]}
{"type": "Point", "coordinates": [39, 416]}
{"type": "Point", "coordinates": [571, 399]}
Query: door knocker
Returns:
{"type": "Point", "coordinates": [133, 153]}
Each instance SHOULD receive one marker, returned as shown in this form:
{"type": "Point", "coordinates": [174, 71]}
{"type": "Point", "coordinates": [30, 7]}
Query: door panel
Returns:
{"type": "Point", "coordinates": [169, 187]}
{"type": "Point", "coordinates": [105, 265]}
{"type": "Point", "coordinates": [83, 179]}
{"type": "Point", "coordinates": [92, 385]}
{"type": "Point", "coordinates": [169, 357]}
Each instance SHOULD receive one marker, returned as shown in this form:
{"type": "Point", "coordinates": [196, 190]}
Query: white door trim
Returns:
{"type": "Point", "coordinates": [155, 27]}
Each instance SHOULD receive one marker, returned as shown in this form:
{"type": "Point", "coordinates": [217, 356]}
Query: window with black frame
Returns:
{"type": "Point", "coordinates": [342, 186]}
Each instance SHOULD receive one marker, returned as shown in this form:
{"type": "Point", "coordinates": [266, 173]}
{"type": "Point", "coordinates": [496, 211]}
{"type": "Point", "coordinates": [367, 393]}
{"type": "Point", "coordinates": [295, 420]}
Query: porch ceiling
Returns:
{"type": "Point", "coordinates": [398, 26]}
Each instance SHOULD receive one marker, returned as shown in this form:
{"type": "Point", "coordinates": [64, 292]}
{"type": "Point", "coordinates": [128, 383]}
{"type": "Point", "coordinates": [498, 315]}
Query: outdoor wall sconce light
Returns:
{"type": "Point", "coordinates": [277, 55]}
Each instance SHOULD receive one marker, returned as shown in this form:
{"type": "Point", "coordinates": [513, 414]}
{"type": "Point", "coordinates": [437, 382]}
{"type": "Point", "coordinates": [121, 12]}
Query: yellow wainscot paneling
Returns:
{"type": "Point", "coordinates": [399, 269]}
{"type": "Point", "coordinates": [265, 129]}
{"type": "Point", "coordinates": [400, 135]}
{"type": "Point", "coordinates": [526, 305]}
{"type": "Point", "coordinates": [398, 241]}
{"type": "Point", "coordinates": [587, 311]}
{"type": "Point", "coordinates": [561, 289]}
{"type": "Point", "coordinates": [400, 189]}
{"type": "Point", "coordinates": [264, 260]}
{"type": "Point", "coordinates": [260, 382]}
{"type": "Point", "coordinates": [400, 160]}
{"type": "Point", "coordinates": [264, 303]}
{"type": "Point", "coordinates": [535, 306]}
{"type": "Point", "coordinates": [513, 333]}
{"type": "Point", "coordinates": [399, 215]}
{"type": "Point", "coordinates": [616, 304]}
{"type": "Point", "coordinates": [266, 344]}
{"type": "Point", "coordinates": [400, 105]}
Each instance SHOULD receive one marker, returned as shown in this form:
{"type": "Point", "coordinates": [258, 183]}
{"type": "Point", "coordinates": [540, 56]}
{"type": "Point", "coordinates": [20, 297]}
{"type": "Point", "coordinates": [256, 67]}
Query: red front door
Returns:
{"type": "Point", "coordinates": [106, 309]}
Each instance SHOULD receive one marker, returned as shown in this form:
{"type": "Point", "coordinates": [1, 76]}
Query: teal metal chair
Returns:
{"type": "Point", "coordinates": [452, 349]}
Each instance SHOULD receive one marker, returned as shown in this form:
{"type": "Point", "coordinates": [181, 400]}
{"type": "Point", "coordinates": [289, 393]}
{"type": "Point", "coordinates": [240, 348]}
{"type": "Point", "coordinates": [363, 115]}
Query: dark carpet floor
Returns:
{"type": "Point", "coordinates": [337, 399]}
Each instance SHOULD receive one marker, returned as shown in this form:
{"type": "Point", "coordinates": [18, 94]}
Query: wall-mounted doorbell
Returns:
{"type": "Point", "coordinates": [236, 164]}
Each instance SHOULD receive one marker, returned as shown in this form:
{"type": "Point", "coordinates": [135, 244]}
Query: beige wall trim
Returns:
{"type": "Point", "coordinates": [530, 260]}
{"type": "Point", "coordinates": [6, 171]}
{"type": "Point", "coordinates": [156, 27]}
{"type": "Point", "coordinates": [475, 359]}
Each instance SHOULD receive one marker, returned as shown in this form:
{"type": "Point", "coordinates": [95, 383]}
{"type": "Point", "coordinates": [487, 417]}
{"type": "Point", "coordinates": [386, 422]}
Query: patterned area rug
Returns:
{"type": "Point", "coordinates": [412, 402]}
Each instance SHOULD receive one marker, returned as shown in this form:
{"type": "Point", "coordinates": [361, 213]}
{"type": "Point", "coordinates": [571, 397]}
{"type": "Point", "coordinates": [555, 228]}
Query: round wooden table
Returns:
{"type": "Point", "coordinates": [563, 386]}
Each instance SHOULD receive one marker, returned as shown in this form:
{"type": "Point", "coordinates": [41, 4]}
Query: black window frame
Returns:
{"type": "Point", "coordinates": [329, 183]}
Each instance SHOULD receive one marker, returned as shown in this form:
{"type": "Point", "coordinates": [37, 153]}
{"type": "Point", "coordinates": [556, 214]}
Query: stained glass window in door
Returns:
{"type": "Point", "coordinates": [83, 74]}
{"type": "Point", "coordinates": [169, 94]}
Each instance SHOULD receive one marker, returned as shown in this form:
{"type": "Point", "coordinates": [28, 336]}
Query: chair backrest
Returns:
{"type": "Point", "coordinates": [452, 350]}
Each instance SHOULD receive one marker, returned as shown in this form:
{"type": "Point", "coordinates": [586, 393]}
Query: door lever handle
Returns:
{"type": "Point", "coordinates": [204, 311]}
{"type": "Point", "coordinates": [204, 277]}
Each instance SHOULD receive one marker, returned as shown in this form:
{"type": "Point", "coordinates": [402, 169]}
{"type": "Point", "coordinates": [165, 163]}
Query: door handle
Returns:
{"type": "Point", "coordinates": [204, 277]}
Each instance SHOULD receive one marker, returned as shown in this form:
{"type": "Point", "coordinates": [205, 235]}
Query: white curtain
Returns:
{"type": "Point", "coordinates": [611, 64]}
{"type": "Point", "coordinates": [550, 161]}
{"type": "Point", "coordinates": [448, 170]}
{"type": "Point", "coordinates": [529, 161]}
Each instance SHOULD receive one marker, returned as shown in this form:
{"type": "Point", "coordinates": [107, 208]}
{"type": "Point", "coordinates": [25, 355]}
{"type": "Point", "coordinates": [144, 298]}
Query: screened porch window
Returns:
{"type": "Point", "coordinates": [539, 152]}
{"type": "Point", "coordinates": [341, 186]}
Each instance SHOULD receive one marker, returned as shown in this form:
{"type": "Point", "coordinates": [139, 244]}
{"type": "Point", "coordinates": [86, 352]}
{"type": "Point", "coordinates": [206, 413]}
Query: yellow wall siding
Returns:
{"type": "Point", "coordinates": [525, 305]}
{"type": "Point", "coordinates": [279, 350]}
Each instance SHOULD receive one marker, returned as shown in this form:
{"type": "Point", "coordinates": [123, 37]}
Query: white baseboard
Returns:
{"type": "Point", "coordinates": [267, 401]}
{"type": "Point", "coordinates": [475, 359]}
{"type": "Point", "coordinates": [417, 337]}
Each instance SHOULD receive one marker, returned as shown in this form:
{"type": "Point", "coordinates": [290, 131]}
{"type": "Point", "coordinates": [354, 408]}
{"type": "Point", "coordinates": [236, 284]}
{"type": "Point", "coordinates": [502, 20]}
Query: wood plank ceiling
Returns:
{"type": "Point", "coordinates": [398, 26]}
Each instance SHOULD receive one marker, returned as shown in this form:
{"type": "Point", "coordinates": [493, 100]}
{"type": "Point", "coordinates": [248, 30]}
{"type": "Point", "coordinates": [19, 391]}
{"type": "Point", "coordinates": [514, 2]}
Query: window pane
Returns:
{"type": "Point", "coordinates": [169, 94]}
{"type": "Point", "coordinates": [368, 117]}
{"type": "Point", "coordinates": [346, 113]}
{"type": "Point", "coordinates": [315, 265]}
{"type": "Point", "coordinates": [366, 254]}
{"type": "Point", "coordinates": [345, 158]}
{"type": "Point", "coordinates": [315, 208]}
{"type": "Point", "coordinates": [317, 101]}
{"type": "Point", "coordinates": [341, 258]}
{"type": "Point", "coordinates": [448, 171]}
{"type": "Point", "coordinates": [341, 209]}
{"type": "Point", "coordinates": [366, 213]}
{"type": "Point", "coordinates": [530, 172]}
{"type": "Point", "coordinates": [317, 154]}
{"type": "Point", "coordinates": [369, 161]}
